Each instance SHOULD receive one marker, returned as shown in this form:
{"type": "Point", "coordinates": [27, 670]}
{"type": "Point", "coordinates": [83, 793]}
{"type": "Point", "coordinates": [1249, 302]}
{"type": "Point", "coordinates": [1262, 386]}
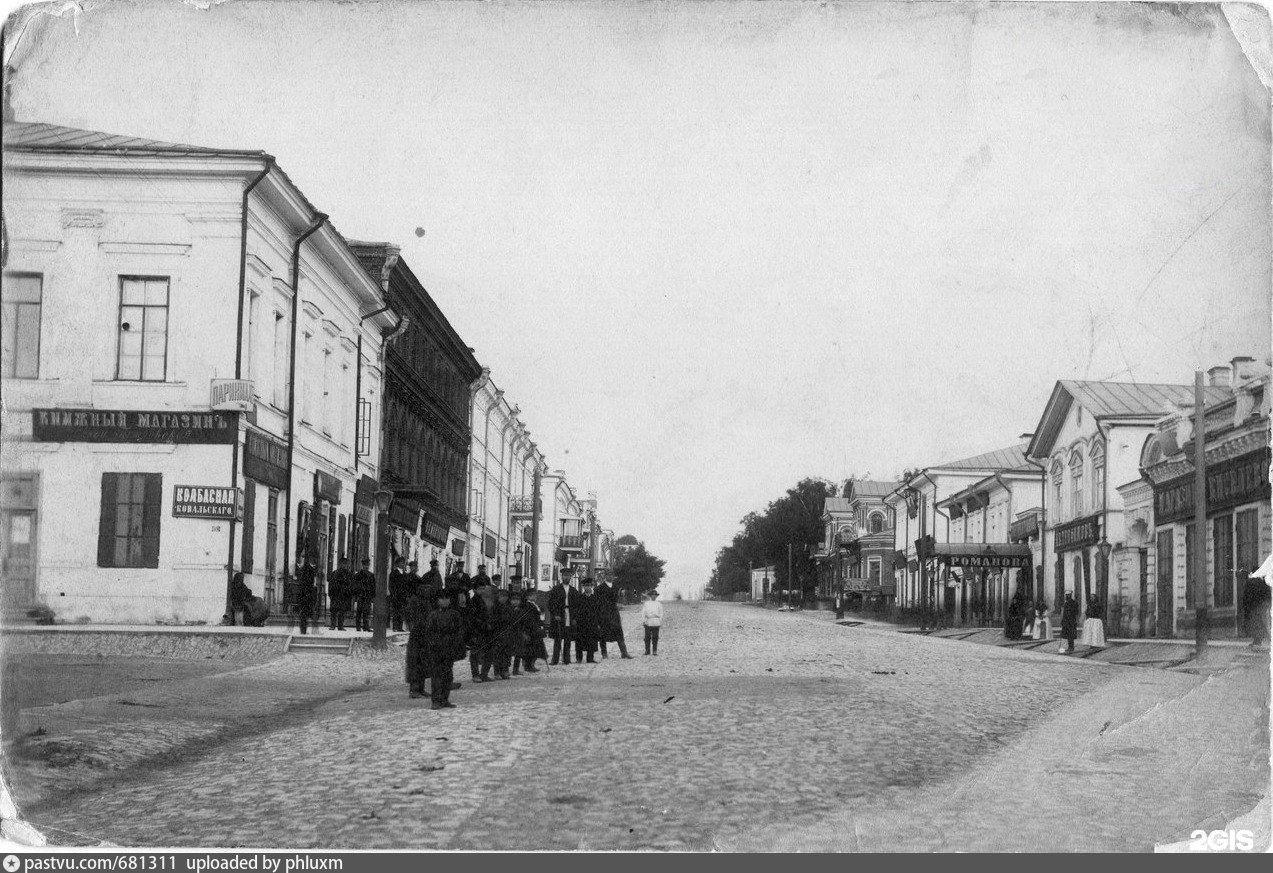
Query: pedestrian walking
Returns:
{"type": "Point", "coordinates": [1255, 610]}
{"type": "Point", "coordinates": [340, 592]}
{"type": "Point", "coordinates": [1069, 621]}
{"type": "Point", "coordinates": [528, 633]}
{"type": "Point", "coordinates": [364, 595]}
{"type": "Point", "coordinates": [398, 592]}
{"type": "Point", "coordinates": [443, 644]}
{"type": "Point", "coordinates": [306, 593]}
{"type": "Point", "coordinates": [652, 619]}
{"type": "Point", "coordinates": [611, 624]}
{"type": "Point", "coordinates": [479, 623]}
{"type": "Point", "coordinates": [563, 619]}
{"type": "Point", "coordinates": [588, 629]}
{"type": "Point", "coordinates": [839, 605]}
{"type": "Point", "coordinates": [1094, 625]}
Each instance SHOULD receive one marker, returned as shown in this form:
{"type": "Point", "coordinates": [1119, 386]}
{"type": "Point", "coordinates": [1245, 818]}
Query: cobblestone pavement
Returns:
{"type": "Point", "coordinates": [751, 730]}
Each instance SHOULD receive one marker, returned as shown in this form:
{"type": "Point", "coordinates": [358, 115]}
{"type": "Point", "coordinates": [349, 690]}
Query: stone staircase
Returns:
{"type": "Point", "coordinates": [313, 644]}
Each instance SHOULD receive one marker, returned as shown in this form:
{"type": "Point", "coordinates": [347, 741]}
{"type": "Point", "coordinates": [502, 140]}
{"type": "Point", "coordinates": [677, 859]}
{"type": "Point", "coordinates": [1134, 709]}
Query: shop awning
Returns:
{"type": "Point", "coordinates": [988, 555]}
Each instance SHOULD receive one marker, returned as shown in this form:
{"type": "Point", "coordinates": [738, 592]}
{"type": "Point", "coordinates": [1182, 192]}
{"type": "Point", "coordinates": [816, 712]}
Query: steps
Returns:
{"type": "Point", "coordinates": [312, 644]}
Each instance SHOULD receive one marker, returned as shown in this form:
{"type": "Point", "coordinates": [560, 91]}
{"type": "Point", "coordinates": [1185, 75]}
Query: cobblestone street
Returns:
{"type": "Point", "coordinates": [751, 730]}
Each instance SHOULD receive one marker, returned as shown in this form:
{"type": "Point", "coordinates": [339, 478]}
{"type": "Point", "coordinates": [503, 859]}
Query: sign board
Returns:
{"type": "Point", "coordinates": [207, 501]}
{"type": "Point", "coordinates": [265, 459]}
{"type": "Point", "coordinates": [132, 426]}
{"type": "Point", "coordinates": [365, 499]}
{"type": "Point", "coordinates": [434, 532]}
{"type": "Point", "coordinates": [232, 394]}
{"type": "Point", "coordinates": [489, 546]}
{"type": "Point", "coordinates": [406, 515]}
{"type": "Point", "coordinates": [326, 487]}
{"type": "Point", "coordinates": [857, 584]}
{"type": "Point", "coordinates": [1077, 534]}
{"type": "Point", "coordinates": [1230, 483]}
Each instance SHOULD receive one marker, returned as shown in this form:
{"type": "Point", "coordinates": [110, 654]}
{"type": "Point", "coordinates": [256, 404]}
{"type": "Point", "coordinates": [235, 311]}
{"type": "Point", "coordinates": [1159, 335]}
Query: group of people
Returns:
{"type": "Point", "coordinates": [501, 630]}
{"type": "Point", "coordinates": [1025, 621]}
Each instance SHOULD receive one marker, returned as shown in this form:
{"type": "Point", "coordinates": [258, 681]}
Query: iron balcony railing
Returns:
{"type": "Point", "coordinates": [572, 541]}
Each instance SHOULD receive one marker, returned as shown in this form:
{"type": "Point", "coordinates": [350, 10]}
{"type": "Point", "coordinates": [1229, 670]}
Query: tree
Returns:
{"type": "Point", "coordinates": [794, 520]}
{"type": "Point", "coordinates": [636, 571]}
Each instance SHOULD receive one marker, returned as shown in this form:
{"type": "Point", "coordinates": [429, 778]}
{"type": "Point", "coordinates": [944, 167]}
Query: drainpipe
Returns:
{"type": "Point", "coordinates": [319, 220]}
{"type": "Point", "coordinates": [1043, 518]}
{"type": "Point", "coordinates": [238, 367]}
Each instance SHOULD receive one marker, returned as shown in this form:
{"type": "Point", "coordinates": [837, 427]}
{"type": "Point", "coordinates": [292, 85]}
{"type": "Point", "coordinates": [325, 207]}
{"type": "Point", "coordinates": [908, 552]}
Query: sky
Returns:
{"type": "Point", "coordinates": [711, 248]}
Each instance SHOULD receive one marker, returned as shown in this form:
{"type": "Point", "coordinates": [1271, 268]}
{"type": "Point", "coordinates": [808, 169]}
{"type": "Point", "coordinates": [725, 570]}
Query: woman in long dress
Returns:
{"type": "Point", "coordinates": [1093, 626]}
{"type": "Point", "coordinates": [1042, 627]}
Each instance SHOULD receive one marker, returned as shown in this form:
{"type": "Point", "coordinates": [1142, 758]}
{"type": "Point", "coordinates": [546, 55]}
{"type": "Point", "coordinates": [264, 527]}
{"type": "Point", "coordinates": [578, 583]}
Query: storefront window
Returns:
{"type": "Point", "coordinates": [1166, 580]}
{"type": "Point", "coordinates": [128, 532]}
{"type": "Point", "coordinates": [1222, 559]}
{"type": "Point", "coordinates": [1246, 541]}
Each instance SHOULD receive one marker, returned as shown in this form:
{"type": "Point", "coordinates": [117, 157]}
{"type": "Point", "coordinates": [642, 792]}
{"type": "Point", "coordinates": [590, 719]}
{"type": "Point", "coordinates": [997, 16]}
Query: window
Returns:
{"type": "Point", "coordinates": [876, 523]}
{"type": "Point", "coordinates": [309, 379]}
{"type": "Point", "coordinates": [1222, 565]}
{"type": "Point", "coordinates": [364, 427]}
{"type": "Point", "coordinates": [282, 362]}
{"type": "Point", "coordinates": [1098, 475]}
{"type": "Point", "coordinates": [23, 294]}
{"type": "Point", "coordinates": [271, 544]}
{"type": "Point", "coordinates": [328, 409]}
{"type": "Point", "coordinates": [249, 335]}
{"type": "Point", "coordinates": [1058, 490]}
{"type": "Point", "coordinates": [1165, 559]}
{"type": "Point", "coordinates": [128, 529]}
{"type": "Point", "coordinates": [873, 572]}
{"type": "Point", "coordinates": [143, 329]}
{"type": "Point", "coordinates": [1246, 533]}
{"type": "Point", "coordinates": [1076, 483]}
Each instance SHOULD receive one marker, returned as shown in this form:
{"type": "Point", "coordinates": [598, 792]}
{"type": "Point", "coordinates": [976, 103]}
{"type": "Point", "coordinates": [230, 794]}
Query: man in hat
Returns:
{"type": "Point", "coordinates": [481, 574]}
{"type": "Point", "coordinates": [306, 593]}
{"type": "Point", "coordinates": [364, 595]}
{"type": "Point", "coordinates": [340, 593]}
{"type": "Point", "coordinates": [563, 616]}
{"type": "Point", "coordinates": [611, 626]}
{"type": "Point", "coordinates": [398, 593]}
{"type": "Point", "coordinates": [588, 631]}
{"type": "Point", "coordinates": [480, 628]}
{"type": "Point", "coordinates": [432, 580]}
{"type": "Point", "coordinates": [442, 643]}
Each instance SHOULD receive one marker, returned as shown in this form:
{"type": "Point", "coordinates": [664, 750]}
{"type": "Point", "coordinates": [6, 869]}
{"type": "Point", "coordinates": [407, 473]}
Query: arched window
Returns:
{"type": "Point", "coordinates": [1097, 455]}
{"type": "Point", "coordinates": [1058, 489]}
{"type": "Point", "coordinates": [876, 522]}
{"type": "Point", "coordinates": [1152, 452]}
{"type": "Point", "coordinates": [1076, 483]}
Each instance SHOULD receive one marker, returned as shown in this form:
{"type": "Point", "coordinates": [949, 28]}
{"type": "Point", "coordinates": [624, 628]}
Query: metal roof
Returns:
{"type": "Point", "coordinates": [31, 136]}
{"type": "Point", "coordinates": [870, 487]}
{"type": "Point", "coordinates": [836, 504]}
{"type": "Point", "coordinates": [1010, 458]}
{"type": "Point", "coordinates": [1136, 398]}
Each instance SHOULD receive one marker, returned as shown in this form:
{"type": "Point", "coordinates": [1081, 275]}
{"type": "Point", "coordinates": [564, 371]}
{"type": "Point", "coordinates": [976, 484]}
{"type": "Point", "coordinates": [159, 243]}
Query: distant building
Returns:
{"type": "Point", "coordinates": [857, 551]}
{"type": "Point", "coordinates": [762, 581]}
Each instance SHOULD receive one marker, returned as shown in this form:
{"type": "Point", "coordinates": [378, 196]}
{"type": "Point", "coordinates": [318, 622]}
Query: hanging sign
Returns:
{"type": "Point", "coordinates": [265, 459]}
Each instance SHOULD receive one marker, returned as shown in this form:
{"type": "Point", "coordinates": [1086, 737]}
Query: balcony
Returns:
{"type": "Point", "coordinates": [521, 506]}
{"type": "Point", "coordinates": [572, 542]}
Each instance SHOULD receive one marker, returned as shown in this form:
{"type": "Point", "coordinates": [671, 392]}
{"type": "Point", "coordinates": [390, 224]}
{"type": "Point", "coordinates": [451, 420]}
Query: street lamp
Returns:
{"type": "Point", "coordinates": [517, 553]}
{"type": "Point", "coordinates": [384, 500]}
{"type": "Point", "coordinates": [1105, 548]}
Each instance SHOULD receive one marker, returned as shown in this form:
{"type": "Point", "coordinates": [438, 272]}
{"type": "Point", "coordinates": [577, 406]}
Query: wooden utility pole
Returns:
{"type": "Point", "coordinates": [1201, 590]}
{"type": "Point", "coordinates": [534, 528]}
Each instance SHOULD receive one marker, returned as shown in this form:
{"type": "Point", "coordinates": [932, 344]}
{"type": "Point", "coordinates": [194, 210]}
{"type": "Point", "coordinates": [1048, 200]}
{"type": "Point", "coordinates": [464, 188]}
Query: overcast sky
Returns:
{"type": "Point", "coordinates": [710, 248]}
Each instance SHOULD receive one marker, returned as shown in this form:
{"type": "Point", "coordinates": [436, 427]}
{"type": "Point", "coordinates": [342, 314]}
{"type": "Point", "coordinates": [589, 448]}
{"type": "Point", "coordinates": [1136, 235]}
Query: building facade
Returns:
{"type": "Point", "coordinates": [146, 458]}
{"type": "Point", "coordinates": [857, 552]}
{"type": "Point", "coordinates": [1238, 531]}
{"type": "Point", "coordinates": [428, 381]}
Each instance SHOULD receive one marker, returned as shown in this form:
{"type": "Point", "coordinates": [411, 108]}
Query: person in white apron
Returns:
{"type": "Point", "coordinates": [1042, 627]}
{"type": "Point", "coordinates": [1093, 626]}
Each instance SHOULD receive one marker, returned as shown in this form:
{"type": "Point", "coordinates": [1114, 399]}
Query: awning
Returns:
{"type": "Point", "coordinates": [987, 555]}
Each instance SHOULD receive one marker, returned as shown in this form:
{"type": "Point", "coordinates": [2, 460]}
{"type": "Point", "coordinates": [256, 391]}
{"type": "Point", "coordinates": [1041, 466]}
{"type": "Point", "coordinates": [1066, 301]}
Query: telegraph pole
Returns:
{"type": "Point", "coordinates": [1201, 590]}
{"type": "Point", "coordinates": [534, 529]}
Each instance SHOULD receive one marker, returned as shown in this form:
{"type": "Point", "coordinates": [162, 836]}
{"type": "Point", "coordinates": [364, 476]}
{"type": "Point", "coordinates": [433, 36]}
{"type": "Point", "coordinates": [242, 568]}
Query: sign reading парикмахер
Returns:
{"type": "Point", "coordinates": [132, 426]}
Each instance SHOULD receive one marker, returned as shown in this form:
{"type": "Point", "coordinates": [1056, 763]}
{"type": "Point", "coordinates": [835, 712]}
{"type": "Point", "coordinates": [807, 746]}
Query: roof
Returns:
{"type": "Point", "coordinates": [836, 504]}
{"type": "Point", "coordinates": [1106, 399]}
{"type": "Point", "coordinates": [870, 487]}
{"type": "Point", "coordinates": [1011, 458]}
{"type": "Point", "coordinates": [32, 136]}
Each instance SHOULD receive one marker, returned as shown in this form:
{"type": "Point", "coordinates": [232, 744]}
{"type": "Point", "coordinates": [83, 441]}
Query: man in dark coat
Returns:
{"type": "Point", "coordinates": [479, 629]}
{"type": "Point", "coordinates": [1070, 621]}
{"type": "Point", "coordinates": [364, 595]}
{"type": "Point", "coordinates": [432, 581]}
{"type": "Point", "coordinates": [398, 593]}
{"type": "Point", "coordinates": [480, 574]}
{"type": "Point", "coordinates": [306, 594]}
{"type": "Point", "coordinates": [1255, 610]}
{"type": "Point", "coordinates": [611, 625]}
{"type": "Point", "coordinates": [503, 633]}
{"type": "Point", "coordinates": [1012, 622]}
{"type": "Point", "coordinates": [588, 631]}
{"type": "Point", "coordinates": [442, 640]}
{"type": "Point", "coordinates": [563, 620]}
{"type": "Point", "coordinates": [528, 632]}
{"type": "Point", "coordinates": [418, 667]}
{"type": "Point", "coordinates": [340, 592]}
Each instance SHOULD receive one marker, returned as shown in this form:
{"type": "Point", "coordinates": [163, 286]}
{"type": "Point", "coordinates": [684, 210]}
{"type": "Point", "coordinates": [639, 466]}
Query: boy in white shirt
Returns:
{"type": "Point", "coordinates": [652, 618]}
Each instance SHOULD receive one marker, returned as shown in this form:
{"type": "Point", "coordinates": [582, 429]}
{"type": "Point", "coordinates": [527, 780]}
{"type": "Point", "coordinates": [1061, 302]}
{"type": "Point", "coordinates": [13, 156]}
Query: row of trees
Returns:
{"type": "Point", "coordinates": [794, 520]}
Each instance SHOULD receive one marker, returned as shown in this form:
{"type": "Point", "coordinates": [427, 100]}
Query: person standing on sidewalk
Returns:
{"type": "Point", "coordinates": [418, 666]}
{"type": "Point", "coordinates": [364, 596]}
{"type": "Point", "coordinates": [1255, 610]}
{"type": "Point", "coordinates": [306, 595]}
{"type": "Point", "coordinates": [588, 630]}
{"type": "Point", "coordinates": [1094, 626]}
{"type": "Point", "coordinates": [611, 622]}
{"type": "Point", "coordinates": [340, 592]}
{"type": "Point", "coordinates": [480, 627]}
{"type": "Point", "coordinates": [1070, 621]}
{"type": "Point", "coordinates": [397, 593]}
{"type": "Point", "coordinates": [652, 619]}
{"type": "Point", "coordinates": [1012, 622]}
{"type": "Point", "coordinates": [563, 613]}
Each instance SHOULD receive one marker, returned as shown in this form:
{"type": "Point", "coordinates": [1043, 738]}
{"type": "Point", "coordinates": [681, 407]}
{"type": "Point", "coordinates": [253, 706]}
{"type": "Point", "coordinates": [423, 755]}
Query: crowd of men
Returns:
{"type": "Point", "coordinates": [499, 628]}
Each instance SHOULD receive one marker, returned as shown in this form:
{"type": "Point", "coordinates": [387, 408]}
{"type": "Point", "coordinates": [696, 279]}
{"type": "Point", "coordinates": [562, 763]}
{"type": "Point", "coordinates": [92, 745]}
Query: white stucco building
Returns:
{"type": "Point", "coordinates": [187, 341]}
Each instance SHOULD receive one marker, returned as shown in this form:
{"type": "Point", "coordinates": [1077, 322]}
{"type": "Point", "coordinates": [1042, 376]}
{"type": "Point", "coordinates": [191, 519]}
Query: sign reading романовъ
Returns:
{"type": "Point", "coordinates": [132, 426]}
{"type": "Point", "coordinates": [205, 501]}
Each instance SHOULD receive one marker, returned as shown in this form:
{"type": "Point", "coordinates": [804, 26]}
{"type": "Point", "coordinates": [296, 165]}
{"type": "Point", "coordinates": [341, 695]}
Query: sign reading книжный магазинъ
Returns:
{"type": "Point", "coordinates": [132, 426]}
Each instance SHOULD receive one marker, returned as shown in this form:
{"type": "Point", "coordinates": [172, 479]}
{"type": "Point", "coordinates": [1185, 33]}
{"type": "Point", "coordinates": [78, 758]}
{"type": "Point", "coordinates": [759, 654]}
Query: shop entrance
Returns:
{"type": "Point", "coordinates": [18, 528]}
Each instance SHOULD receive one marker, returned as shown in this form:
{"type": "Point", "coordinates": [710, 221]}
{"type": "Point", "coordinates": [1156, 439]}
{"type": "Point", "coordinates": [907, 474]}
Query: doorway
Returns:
{"type": "Point", "coordinates": [19, 523]}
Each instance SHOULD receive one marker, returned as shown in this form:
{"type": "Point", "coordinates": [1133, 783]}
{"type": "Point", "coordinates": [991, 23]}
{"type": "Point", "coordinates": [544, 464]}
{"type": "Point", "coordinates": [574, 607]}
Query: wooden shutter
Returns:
{"type": "Point", "coordinates": [249, 526]}
{"type": "Point", "coordinates": [150, 520]}
{"type": "Point", "coordinates": [106, 523]}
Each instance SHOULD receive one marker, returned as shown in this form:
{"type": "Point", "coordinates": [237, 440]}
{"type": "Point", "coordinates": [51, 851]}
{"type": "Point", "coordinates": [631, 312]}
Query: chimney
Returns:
{"type": "Point", "coordinates": [1218, 376]}
{"type": "Point", "coordinates": [1242, 368]}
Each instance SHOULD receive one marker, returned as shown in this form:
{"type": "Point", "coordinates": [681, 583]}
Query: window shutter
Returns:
{"type": "Point", "coordinates": [106, 523]}
{"type": "Point", "coordinates": [150, 520]}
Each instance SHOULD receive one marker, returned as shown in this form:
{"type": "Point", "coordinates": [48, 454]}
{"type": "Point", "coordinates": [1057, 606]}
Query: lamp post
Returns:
{"type": "Point", "coordinates": [517, 553]}
{"type": "Point", "coordinates": [384, 500]}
